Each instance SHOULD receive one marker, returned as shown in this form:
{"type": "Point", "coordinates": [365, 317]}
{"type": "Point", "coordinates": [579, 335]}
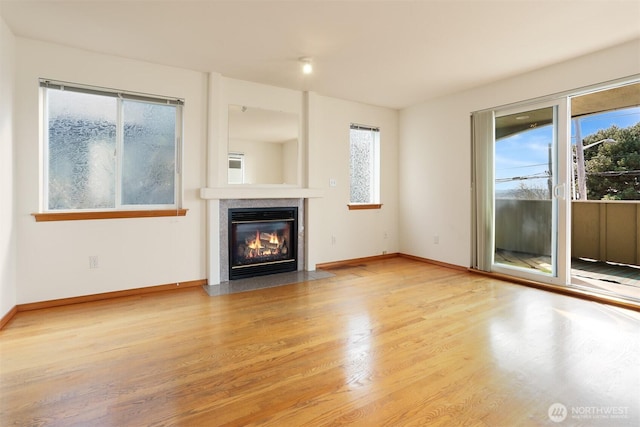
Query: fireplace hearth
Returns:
{"type": "Point", "coordinates": [262, 241]}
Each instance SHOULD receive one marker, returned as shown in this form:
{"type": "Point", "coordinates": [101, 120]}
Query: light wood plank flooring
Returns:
{"type": "Point", "coordinates": [387, 343]}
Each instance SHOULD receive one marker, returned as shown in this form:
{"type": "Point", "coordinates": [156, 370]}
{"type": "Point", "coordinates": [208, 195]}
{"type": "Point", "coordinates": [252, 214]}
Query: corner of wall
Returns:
{"type": "Point", "coordinates": [8, 247]}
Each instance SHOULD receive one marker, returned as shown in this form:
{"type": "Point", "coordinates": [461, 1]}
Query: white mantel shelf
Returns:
{"type": "Point", "coordinates": [219, 193]}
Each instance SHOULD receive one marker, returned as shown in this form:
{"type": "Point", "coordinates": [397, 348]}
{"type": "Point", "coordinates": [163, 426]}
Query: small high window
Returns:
{"type": "Point", "coordinates": [108, 150]}
{"type": "Point", "coordinates": [364, 167]}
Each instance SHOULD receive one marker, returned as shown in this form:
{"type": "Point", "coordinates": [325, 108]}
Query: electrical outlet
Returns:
{"type": "Point", "coordinates": [332, 182]}
{"type": "Point", "coordinates": [333, 240]}
{"type": "Point", "coordinates": [93, 261]}
{"type": "Point", "coordinates": [386, 235]}
{"type": "Point", "coordinates": [436, 239]}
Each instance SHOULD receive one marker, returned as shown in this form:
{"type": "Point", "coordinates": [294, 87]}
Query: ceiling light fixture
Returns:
{"type": "Point", "coordinates": [307, 67]}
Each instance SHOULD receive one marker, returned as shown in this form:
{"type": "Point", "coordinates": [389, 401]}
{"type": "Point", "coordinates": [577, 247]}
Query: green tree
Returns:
{"type": "Point", "coordinates": [613, 169]}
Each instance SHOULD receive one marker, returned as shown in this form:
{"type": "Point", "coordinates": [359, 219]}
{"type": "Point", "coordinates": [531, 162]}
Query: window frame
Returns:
{"type": "Point", "coordinates": [119, 210]}
{"type": "Point", "coordinates": [374, 202]}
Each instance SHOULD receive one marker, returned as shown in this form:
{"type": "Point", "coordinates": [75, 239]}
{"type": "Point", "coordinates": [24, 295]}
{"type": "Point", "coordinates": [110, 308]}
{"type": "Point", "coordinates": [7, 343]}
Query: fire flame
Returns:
{"type": "Point", "coordinates": [273, 238]}
{"type": "Point", "coordinates": [256, 243]}
{"type": "Point", "coordinates": [264, 244]}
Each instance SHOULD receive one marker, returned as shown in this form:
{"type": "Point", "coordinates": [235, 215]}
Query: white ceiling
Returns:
{"type": "Point", "coordinates": [390, 53]}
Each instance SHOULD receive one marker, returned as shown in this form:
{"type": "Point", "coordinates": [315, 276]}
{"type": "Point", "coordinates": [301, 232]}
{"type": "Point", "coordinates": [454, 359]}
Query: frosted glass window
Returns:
{"type": "Point", "coordinates": [364, 165]}
{"type": "Point", "coordinates": [105, 150]}
{"type": "Point", "coordinates": [82, 143]}
{"type": "Point", "coordinates": [148, 163]}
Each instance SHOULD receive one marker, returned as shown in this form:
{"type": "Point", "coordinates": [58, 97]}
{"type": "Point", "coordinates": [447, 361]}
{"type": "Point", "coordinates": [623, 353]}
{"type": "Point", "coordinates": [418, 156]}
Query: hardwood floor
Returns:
{"type": "Point", "coordinates": [394, 342]}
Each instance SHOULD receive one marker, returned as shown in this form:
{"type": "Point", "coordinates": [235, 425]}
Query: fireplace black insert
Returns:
{"type": "Point", "coordinates": [262, 241]}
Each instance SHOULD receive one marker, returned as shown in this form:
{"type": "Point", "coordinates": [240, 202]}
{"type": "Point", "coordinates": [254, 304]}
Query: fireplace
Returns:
{"type": "Point", "coordinates": [262, 241]}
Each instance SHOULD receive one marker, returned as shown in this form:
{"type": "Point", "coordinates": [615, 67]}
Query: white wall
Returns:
{"type": "Point", "coordinates": [7, 195]}
{"type": "Point", "coordinates": [335, 232]}
{"type": "Point", "coordinates": [425, 171]}
{"type": "Point", "coordinates": [53, 256]}
{"type": "Point", "coordinates": [435, 150]}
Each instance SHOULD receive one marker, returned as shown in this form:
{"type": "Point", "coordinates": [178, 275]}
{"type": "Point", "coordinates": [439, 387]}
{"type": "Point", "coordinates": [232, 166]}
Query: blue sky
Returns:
{"type": "Point", "coordinates": [527, 155]}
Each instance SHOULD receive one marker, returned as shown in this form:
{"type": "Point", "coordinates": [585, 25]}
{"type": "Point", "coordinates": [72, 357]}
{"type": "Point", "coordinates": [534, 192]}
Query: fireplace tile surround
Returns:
{"type": "Point", "coordinates": [226, 204]}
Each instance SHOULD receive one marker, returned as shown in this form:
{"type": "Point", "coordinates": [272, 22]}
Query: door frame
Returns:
{"type": "Point", "coordinates": [561, 197]}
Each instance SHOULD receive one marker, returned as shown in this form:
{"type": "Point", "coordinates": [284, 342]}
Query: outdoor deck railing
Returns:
{"type": "Point", "coordinates": [601, 230]}
{"type": "Point", "coordinates": [606, 230]}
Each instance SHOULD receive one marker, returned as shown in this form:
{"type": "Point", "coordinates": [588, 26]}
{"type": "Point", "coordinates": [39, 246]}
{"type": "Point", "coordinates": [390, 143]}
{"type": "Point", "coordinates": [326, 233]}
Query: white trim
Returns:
{"type": "Point", "coordinates": [635, 78]}
{"type": "Point", "coordinates": [102, 91]}
{"type": "Point", "coordinates": [262, 192]}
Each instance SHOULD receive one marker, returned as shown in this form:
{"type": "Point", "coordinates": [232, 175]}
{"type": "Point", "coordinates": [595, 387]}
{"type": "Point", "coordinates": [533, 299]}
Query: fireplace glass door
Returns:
{"type": "Point", "coordinates": [262, 241]}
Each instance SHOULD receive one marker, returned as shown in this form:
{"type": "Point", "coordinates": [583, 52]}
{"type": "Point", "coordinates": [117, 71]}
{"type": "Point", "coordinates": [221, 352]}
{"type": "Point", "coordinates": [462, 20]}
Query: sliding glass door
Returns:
{"type": "Point", "coordinates": [521, 190]}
